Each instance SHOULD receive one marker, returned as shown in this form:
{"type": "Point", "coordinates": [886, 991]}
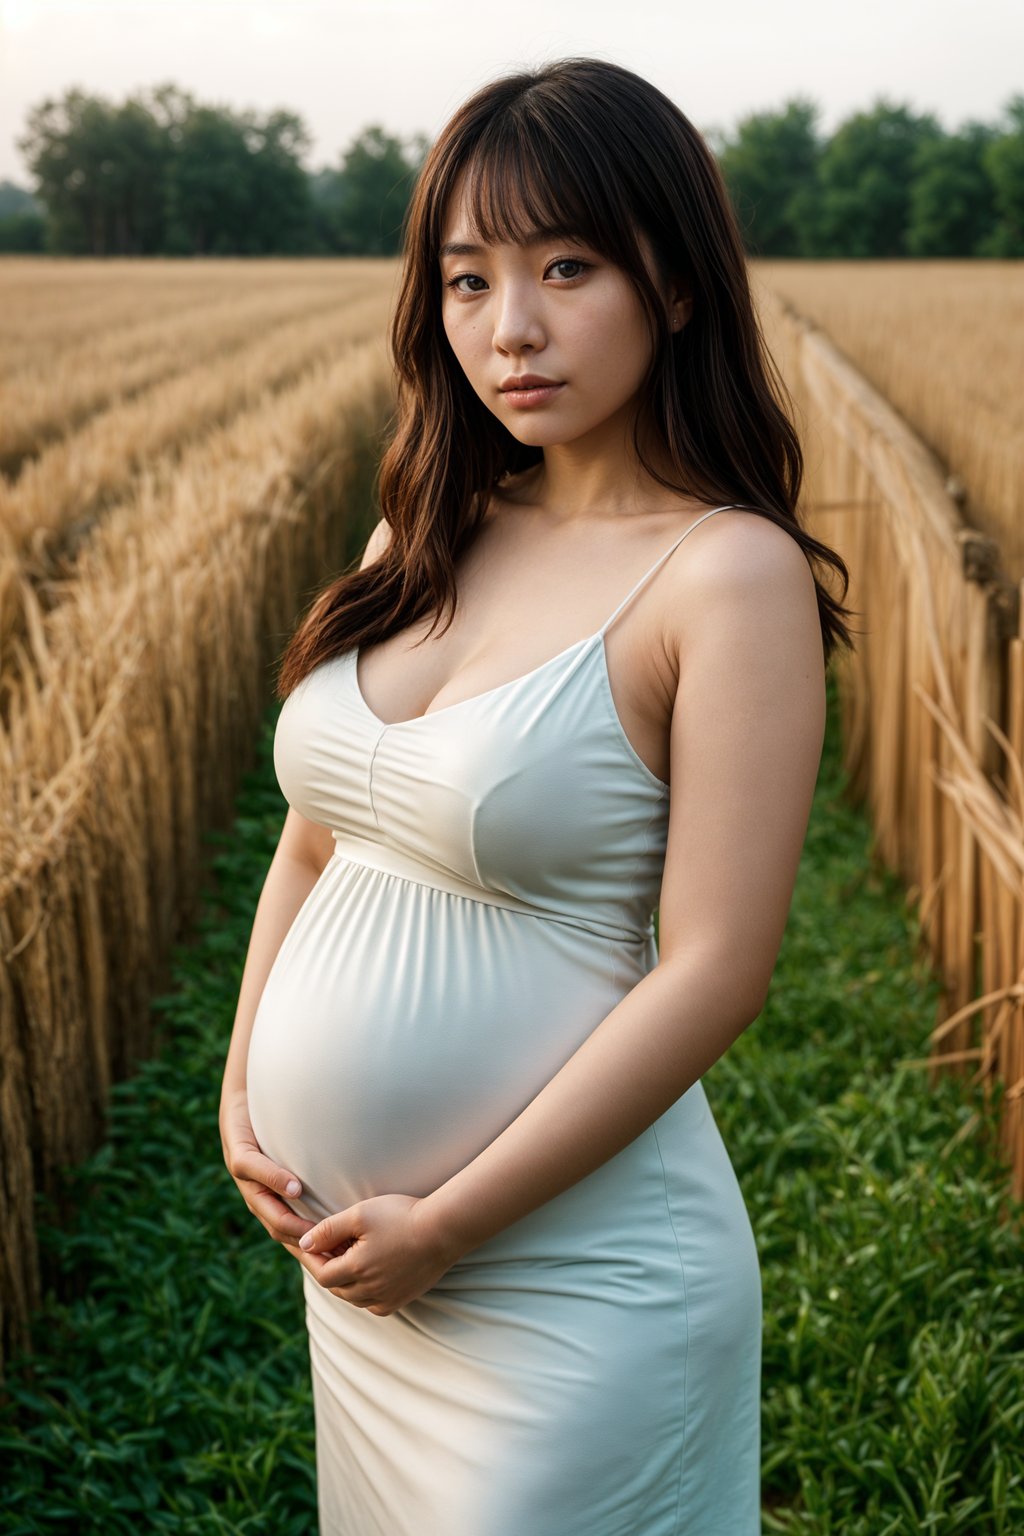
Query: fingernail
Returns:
{"type": "Point", "coordinates": [293, 1187]}
{"type": "Point", "coordinates": [306, 1240]}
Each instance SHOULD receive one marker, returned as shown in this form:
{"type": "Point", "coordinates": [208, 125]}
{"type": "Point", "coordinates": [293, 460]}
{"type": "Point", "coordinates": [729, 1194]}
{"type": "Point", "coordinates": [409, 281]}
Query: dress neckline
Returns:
{"type": "Point", "coordinates": [562, 655]}
{"type": "Point", "coordinates": [581, 646]}
{"type": "Point", "coordinates": [443, 709]}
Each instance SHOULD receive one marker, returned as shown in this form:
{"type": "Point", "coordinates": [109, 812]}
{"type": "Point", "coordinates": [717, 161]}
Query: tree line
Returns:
{"type": "Point", "coordinates": [165, 175]}
{"type": "Point", "coordinates": [888, 182]}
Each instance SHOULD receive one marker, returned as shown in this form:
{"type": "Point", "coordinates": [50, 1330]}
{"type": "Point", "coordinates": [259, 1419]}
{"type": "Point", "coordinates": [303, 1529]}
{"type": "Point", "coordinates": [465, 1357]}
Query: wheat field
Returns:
{"type": "Point", "coordinates": [185, 449]}
{"type": "Point", "coordinates": [943, 342]}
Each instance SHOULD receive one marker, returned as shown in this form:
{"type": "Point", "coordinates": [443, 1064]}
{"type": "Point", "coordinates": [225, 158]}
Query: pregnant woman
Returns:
{"type": "Point", "coordinates": [463, 1089]}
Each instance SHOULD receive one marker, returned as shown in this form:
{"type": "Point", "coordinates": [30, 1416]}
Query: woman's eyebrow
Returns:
{"type": "Point", "coordinates": [536, 237]}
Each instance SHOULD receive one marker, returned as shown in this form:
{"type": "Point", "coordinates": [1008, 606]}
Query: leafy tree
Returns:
{"type": "Point", "coordinates": [164, 174]}
{"type": "Point", "coordinates": [210, 194]}
{"type": "Point", "coordinates": [22, 223]}
{"type": "Point", "coordinates": [68, 146]}
{"type": "Point", "coordinates": [864, 181]}
{"type": "Point", "coordinates": [134, 177]}
{"type": "Point", "coordinates": [1004, 161]}
{"type": "Point", "coordinates": [951, 209]}
{"type": "Point", "coordinates": [236, 184]}
{"type": "Point", "coordinates": [15, 199]}
{"type": "Point", "coordinates": [769, 169]}
{"type": "Point", "coordinates": [282, 200]}
{"type": "Point", "coordinates": [324, 194]}
{"type": "Point", "coordinates": [369, 195]}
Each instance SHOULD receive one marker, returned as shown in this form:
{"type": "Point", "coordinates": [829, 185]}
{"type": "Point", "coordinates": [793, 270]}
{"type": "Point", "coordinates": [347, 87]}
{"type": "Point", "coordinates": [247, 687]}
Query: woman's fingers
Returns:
{"type": "Point", "coordinates": [311, 1262]}
{"type": "Point", "coordinates": [315, 1262]}
{"type": "Point", "coordinates": [281, 1222]}
{"type": "Point", "coordinates": [263, 1184]}
{"type": "Point", "coordinates": [248, 1162]}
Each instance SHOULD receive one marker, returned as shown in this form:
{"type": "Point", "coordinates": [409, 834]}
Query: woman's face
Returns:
{"type": "Point", "coordinates": [554, 308]}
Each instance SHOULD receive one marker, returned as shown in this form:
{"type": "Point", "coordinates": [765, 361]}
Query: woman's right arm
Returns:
{"type": "Point", "coordinates": [303, 850]}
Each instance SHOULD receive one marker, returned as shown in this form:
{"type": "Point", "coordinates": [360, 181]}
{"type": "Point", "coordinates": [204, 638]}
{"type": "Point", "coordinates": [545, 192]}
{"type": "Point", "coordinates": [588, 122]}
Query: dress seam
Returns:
{"type": "Point", "coordinates": [474, 812]}
{"type": "Point", "coordinates": [369, 776]}
{"type": "Point", "coordinates": [686, 1312]}
{"type": "Point", "coordinates": [632, 937]}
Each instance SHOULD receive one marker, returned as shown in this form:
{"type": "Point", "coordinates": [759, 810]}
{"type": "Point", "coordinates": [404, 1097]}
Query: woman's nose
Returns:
{"type": "Point", "coordinates": [516, 321]}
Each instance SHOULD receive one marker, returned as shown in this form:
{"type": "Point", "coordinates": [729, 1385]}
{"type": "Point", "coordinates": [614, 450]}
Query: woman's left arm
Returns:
{"type": "Point", "coordinates": [747, 728]}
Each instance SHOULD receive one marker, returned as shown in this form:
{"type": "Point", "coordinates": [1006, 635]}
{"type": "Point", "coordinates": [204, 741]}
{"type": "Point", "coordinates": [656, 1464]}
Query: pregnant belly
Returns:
{"type": "Point", "coordinates": [401, 1028]}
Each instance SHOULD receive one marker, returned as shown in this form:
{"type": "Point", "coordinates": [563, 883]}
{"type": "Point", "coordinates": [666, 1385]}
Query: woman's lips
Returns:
{"type": "Point", "coordinates": [534, 394]}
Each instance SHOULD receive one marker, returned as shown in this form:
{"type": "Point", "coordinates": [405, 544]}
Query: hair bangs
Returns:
{"type": "Point", "coordinates": [520, 185]}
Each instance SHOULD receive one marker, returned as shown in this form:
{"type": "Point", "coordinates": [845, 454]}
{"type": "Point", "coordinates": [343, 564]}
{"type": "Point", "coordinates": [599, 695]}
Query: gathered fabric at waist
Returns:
{"type": "Point", "coordinates": [392, 860]}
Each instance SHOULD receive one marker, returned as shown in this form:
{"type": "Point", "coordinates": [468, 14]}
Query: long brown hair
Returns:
{"type": "Point", "coordinates": [587, 148]}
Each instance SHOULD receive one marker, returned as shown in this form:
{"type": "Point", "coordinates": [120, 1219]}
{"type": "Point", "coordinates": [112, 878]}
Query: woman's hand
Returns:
{"type": "Point", "coordinates": [256, 1175]}
{"type": "Point", "coordinates": [390, 1253]}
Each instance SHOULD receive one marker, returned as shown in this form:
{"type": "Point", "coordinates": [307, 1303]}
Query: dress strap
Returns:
{"type": "Point", "coordinates": [647, 574]}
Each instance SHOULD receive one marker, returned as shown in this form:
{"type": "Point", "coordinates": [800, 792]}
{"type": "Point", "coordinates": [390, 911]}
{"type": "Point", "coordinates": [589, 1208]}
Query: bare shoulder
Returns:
{"type": "Point", "coordinates": [745, 548]}
{"type": "Point", "coordinates": [743, 570]}
{"type": "Point", "coordinates": [376, 544]}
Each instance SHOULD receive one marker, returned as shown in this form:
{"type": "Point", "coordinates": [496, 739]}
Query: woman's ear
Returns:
{"type": "Point", "coordinates": [680, 306]}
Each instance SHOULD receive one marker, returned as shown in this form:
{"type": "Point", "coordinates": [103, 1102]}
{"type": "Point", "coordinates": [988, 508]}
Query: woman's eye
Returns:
{"type": "Point", "coordinates": [571, 261]}
{"type": "Point", "coordinates": [453, 282]}
{"type": "Point", "coordinates": [471, 277]}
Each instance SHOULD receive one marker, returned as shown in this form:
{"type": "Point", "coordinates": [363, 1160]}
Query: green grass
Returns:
{"type": "Point", "coordinates": [169, 1390]}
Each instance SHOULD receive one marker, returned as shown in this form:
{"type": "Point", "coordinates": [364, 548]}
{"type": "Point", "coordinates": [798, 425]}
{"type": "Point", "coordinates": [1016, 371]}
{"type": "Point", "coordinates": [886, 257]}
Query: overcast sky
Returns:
{"type": "Point", "coordinates": [342, 64]}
